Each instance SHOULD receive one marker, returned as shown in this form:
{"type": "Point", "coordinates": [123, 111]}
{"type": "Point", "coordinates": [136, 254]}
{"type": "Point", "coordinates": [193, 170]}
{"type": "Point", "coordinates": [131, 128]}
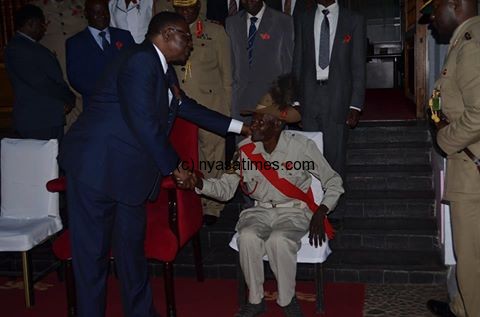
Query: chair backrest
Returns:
{"type": "Point", "coordinates": [184, 139]}
{"type": "Point", "coordinates": [316, 137]}
{"type": "Point", "coordinates": [26, 167]}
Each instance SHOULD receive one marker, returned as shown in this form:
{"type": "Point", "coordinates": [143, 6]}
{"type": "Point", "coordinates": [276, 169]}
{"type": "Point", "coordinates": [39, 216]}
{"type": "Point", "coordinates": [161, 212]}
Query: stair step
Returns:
{"type": "Point", "coordinates": [422, 169]}
{"type": "Point", "coordinates": [367, 195]}
{"type": "Point", "coordinates": [393, 181]}
{"type": "Point", "coordinates": [388, 156]}
{"type": "Point", "coordinates": [389, 134]}
{"type": "Point", "coordinates": [407, 208]}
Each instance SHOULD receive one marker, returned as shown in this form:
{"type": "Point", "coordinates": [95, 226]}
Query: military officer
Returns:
{"type": "Point", "coordinates": [457, 95]}
{"type": "Point", "coordinates": [64, 18]}
{"type": "Point", "coordinates": [284, 209]}
{"type": "Point", "coordinates": [207, 78]}
{"type": "Point", "coordinates": [135, 15]}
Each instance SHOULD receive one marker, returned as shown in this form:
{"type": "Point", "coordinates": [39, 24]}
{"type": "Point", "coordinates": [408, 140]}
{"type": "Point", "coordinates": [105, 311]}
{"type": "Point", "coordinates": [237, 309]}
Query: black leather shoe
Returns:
{"type": "Point", "coordinates": [209, 220]}
{"type": "Point", "coordinates": [251, 310]}
{"type": "Point", "coordinates": [293, 309]}
{"type": "Point", "coordinates": [439, 308]}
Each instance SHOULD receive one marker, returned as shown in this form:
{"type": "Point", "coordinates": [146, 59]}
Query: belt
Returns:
{"type": "Point", "coordinates": [472, 156]}
{"type": "Point", "coordinates": [291, 204]}
{"type": "Point", "coordinates": [322, 82]}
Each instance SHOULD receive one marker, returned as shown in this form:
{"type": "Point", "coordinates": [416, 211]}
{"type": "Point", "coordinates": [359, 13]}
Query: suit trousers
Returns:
{"type": "Point", "coordinates": [211, 151]}
{"type": "Point", "coordinates": [275, 232]}
{"type": "Point", "coordinates": [320, 117]}
{"type": "Point", "coordinates": [97, 224]}
{"type": "Point", "coordinates": [466, 241]}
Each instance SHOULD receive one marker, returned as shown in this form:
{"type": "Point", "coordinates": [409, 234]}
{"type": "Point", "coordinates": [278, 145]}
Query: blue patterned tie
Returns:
{"type": "Point", "coordinates": [251, 36]}
{"type": "Point", "coordinates": [324, 49]}
{"type": "Point", "coordinates": [105, 43]}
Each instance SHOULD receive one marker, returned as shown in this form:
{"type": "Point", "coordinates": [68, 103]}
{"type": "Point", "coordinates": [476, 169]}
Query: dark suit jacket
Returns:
{"type": "Point", "coordinates": [119, 144]}
{"type": "Point", "coordinates": [346, 81]}
{"type": "Point", "coordinates": [277, 5]}
{"type": "Point", "coordinates": [86, 60]}
{"type": "Point", "coordinates": [217, 10]}
{"type": "Point", "coordinates": [272, 56]}
{"type": "Point", "coordinates": [38, 84]}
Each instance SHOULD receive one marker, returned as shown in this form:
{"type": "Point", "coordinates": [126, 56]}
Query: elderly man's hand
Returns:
{"type": "Point", "coordinates": [183, 178]}
{"type": "Point", "coordinates": [316, 236]}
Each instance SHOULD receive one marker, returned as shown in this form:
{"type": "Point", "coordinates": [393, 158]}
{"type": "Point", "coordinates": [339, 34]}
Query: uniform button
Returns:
{"type": "Point", "coordinates": [183, 81]}
{"type": "Point", "coordinates": [62, 23]}
{"type": "Point", "coordinates": [203, 44]}
{"type": "Point", "coordinates": [60, 14]}
{"type": "Point", "coordinates": [64, 33]}
{"type": "Point", "coordinates": [210, 91]}
{"type": "Point", "coordinates": [183, 69]}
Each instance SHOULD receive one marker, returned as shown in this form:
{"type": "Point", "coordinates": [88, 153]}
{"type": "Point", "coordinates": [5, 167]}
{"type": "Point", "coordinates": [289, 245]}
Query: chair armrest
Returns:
{"type": "Point", "coordinates": [57, 185]}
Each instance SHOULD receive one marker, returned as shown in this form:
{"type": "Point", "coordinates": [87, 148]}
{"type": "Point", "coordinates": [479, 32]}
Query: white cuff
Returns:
{"type": "Point", "coordinates": [235, 126]}
{"type": "Point", "coordinates": [356, 108]}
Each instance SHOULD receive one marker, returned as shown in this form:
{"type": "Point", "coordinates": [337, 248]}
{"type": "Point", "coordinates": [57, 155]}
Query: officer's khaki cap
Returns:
{"type": "Point", "coordinates": [267, 105]}
{"type": "Point", "coordinates": [184, 3]}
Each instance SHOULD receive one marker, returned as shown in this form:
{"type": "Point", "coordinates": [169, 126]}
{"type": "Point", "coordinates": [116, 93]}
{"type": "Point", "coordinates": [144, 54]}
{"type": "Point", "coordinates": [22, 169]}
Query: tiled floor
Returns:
{"type": "Point", "coordinates": [401, 300]}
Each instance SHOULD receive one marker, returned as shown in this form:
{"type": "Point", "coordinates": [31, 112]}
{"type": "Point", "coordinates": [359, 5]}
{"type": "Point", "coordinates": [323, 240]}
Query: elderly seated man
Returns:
{"type": "Point", "coordinates": [267, 170]}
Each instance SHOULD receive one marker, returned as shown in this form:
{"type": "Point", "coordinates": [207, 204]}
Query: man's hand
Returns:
{"type": "Point", "coordinates": [198, 181]}
{"type": "Point", "coordinates": [183, 178]}
{"type": "Point", "coordinates": [316, 236]}
{"type": "Point", "coordinates": [352, 118]}
{"type": "Point", "coordinates": [246, 130]}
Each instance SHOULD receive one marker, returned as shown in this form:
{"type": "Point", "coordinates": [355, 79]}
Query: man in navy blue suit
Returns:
{"type": "Point", "coordinates": [42, 97]}
{"type": "Point", "coordinates": [89, 51]}
{"type": "Point", "coordinates": [116, 153]}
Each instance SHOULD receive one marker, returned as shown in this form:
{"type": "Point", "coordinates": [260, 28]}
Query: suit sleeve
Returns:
{"type": "Point", "coordinates": [225, 66]}
{"type": "Point", "coordinates": [137, 90]}
{"type": "Point", "coordinates": [464, 131]}
{"type": "Point", "coordinates": [298, 50]}
{"type": "Point", "coordinates": [78, 69]}
{"type": "Point", "coordinates": [41, 72]}
{"type": "Point", "coordinates": [358, 62]}
{"type": "Point", "coordinates": [288, 46]}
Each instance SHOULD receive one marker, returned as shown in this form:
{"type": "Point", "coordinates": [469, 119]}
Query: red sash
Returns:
{"type": "Point", "coordinates": [284, 186]}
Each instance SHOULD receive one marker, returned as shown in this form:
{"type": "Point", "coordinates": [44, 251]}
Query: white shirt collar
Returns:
{"type": "Point", "coordinates": [333, 8]}
{"type": "Point", "coordinates": [260, 13]}
{"type": "Point", "coordinates": [162, 59]}
{"type": "Point", "coordinates": [96, 32]}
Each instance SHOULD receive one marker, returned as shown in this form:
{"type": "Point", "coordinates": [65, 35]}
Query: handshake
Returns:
{"type": "Point", "coordinates": [186, 179]}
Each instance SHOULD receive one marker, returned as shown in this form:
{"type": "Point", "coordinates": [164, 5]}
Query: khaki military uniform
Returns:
{"type": "Point", "coordinates": [459, 86]}
{"type": "Point", "coordinates": [207, 78]}
{"type": "Point", "coordinates": [276, 224]}
{"type": "Point", "coordinates": [64, 19]}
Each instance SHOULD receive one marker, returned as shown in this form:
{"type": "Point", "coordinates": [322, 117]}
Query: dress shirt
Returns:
{"type": "Point", "coordinates": [292, 8]}
{"type": "Point", "coordinates": [258, 16]}
{"type": "Point", "coordinates": [322, 74]}
{"type": "Point", "coordinates": [96, 35]}
{"type": "Point", "coordinates": [134, 18]}
{"type": "Point", "coordinates": [235, 125]}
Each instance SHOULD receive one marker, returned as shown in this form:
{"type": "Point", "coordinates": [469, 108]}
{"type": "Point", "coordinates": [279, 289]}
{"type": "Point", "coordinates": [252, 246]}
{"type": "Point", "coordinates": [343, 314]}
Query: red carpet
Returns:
{"type": "Point", "coordinates": [212, 298]}
{"type": "Point", "coordinates": [387, 105]}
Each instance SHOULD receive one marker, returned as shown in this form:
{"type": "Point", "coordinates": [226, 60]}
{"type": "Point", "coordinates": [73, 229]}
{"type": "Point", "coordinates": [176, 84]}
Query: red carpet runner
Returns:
{"type": "Point", "coordinates": [212, 298]}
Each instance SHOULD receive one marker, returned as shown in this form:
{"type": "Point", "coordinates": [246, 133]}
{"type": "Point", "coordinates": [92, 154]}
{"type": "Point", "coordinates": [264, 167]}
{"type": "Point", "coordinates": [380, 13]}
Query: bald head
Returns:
{"type": "Point", "coordinates": [97, 14]}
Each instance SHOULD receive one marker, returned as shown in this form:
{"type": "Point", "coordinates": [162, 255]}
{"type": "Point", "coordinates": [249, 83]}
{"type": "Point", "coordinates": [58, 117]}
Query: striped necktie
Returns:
{"type": "Point", "coordinates": [105, 43]}
{"type": "Point", "coordinates": [324, 49]}
{"type": "Point", "coordinates": [251, 37]}
{"type": "Point", "coordinates": [232, 7]}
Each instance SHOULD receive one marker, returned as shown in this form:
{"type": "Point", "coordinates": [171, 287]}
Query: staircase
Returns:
{"type": "Point", "coordinates": [389, 234]}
